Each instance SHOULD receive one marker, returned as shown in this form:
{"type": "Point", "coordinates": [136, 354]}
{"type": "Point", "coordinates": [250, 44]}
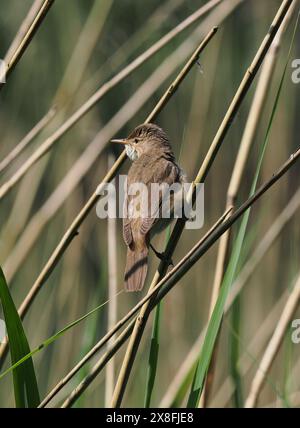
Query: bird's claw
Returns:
{"type": "Point", "coordinates": [162, 256]}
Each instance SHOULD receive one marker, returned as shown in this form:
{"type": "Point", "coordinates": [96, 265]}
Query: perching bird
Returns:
{"type": "Point", "coordinates": [153, 161]}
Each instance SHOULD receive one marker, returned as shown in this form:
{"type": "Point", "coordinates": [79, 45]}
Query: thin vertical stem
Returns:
{"type": "Point", "coordinates": [112, 295]}
{"type": "Point", "coordinates": [273, 346]}
{"type": "Point", "coordinates": [35, 17]}
{"type": "Point", "coordinates": [254, 117]}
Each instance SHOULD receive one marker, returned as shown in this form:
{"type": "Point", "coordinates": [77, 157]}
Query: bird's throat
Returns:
{"type": "Point", "coordinates": [131, 152]}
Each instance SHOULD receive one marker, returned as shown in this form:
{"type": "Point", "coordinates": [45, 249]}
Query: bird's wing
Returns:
{"type": "Point", "coordinates": [167, 173]}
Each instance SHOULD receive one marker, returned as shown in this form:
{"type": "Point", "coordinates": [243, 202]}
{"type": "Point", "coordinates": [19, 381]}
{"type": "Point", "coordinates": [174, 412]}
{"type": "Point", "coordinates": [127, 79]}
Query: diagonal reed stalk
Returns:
{"type": "Point", "coordinates": [203, 172]}
{"type": "Point", "coordinates": [216, 317]}
{"type": "Point", "coordinates": [23, 29]}
{"type": "Point", "coordinates": [154, 22]}
{"type": "Point", "coordinates": [172, 278]}
{"type": "Point", "coordinates": [265, 244]}
{"type": "Point", "coordinates": [248, 359]}
{"type": "Point", "coordinates": [179, 386]}
{"type": "Point", "coordinates": [99, 94]}
{"type": "Point", "coordinates": [92, 152]}
{"type": "Point", "coordinates": [73, 229]}
{"type": "Point", "coordinates": [89, 156]}
{"type": "Point", "coordinates": [99, 366]}
{"type": "Point", "coordinates": [273, 346]}
{"type": "Point", "coordinates": [254, 117]}
{"type": "Point", "coordinates": [62, 100]}
{"type": "Point", "coordinates": [272, 234]}
{"type": "Point", "coordinates": [96, 369]}
{"type": "Point", "coordinates": [70, 81]}
{"type": "Point", "coordinates": [30, 25]}
{"type": "Point", "coordinates": [27, 140]}
{"type": "Point", "coordinates": [121, 339]}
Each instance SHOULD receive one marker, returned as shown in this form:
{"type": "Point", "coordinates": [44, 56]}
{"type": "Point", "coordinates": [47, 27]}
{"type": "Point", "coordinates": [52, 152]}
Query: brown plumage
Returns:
{"type": "Point", "coordinates": [152, 162]}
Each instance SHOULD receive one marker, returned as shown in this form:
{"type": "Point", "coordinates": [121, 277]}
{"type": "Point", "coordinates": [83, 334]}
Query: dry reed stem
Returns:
{"type": "Point", "coordinates": [85, 47]}
{"type": "Point", "coordinates": [272, 234]}
{"type": "Point", "coordinates": [273, 346]}
{"type": "Point", "coordinates": [23, 29]}
{"type": "Point", "coordinates": [27, 140]}
{"type": "Point", "coordinates": [254, 117]}
{"type": "Point", "coordinates": [224, 392]}
{"type": "Point", "coordinates": [105, 358]}
{"type": "Point", "coordinates": [112, 295]}
{"type": "Point", "coordinates": [70, 83]}
{"type": "Point", "coordinates": [172, 278]}
{"type": "Point", "coordinates": [120, 324]}
{"type": "Point", "coordinates": [266, 242]}
{"type": "Point", "coordinates": [62, 100]}
{"type": "Point", "coordinates": [30, 25]}
{"type": "Point", "coordinates": [89, 156]}
{"type": "Point", "coordinates": [72, 231]}
{"type": "Point", "coordinates": [264, 245]}
{"type": "Point", "coordinates": [23, 202]}
{"type": "Point", "coordinates": [98, 367]}
{"type": "Point", "coordinates": [82, 51]}
{"type": "Point", "coordinates": [99, 94]}
{"type": "Point", "coordinates": [110, 175]}
{"type": "Point", "coordinates": [135, 40]}
{"type": "Point", "coordinates": [247, 360]}
{"type": "Point", "coordinates": [204, 170]}
{"type": "Point", "coordinates": [51, 206]}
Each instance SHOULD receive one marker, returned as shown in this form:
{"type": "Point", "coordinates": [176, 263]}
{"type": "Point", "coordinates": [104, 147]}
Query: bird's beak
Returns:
{"type": "Point", "coordinates": [119, 141]}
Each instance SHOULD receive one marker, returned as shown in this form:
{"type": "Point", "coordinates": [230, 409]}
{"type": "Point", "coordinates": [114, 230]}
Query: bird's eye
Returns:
{"type": "Point", "coordinates": [136, 140]}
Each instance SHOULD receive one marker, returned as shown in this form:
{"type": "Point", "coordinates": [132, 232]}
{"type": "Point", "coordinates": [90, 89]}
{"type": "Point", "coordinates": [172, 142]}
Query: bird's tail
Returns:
{"type": "Point", "coordinates": [136, 269]}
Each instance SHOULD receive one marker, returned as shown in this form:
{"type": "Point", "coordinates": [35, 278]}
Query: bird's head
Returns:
{"type": "Point", "coordinates": [143, 139]}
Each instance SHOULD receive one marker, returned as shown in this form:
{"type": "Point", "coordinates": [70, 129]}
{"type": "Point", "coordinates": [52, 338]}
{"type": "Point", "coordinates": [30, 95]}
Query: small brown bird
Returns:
{"type": "Point", "coordinates": [153, 161]}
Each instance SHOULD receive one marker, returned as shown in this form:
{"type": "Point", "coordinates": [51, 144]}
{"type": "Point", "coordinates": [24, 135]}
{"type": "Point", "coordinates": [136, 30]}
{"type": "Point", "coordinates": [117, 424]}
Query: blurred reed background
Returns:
{"type": "Point", "coordinates": [79, 46]}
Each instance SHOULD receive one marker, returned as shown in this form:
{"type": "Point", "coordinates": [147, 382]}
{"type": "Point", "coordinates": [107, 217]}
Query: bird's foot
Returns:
{"type": "Point", "coordinates": [162, 256]}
